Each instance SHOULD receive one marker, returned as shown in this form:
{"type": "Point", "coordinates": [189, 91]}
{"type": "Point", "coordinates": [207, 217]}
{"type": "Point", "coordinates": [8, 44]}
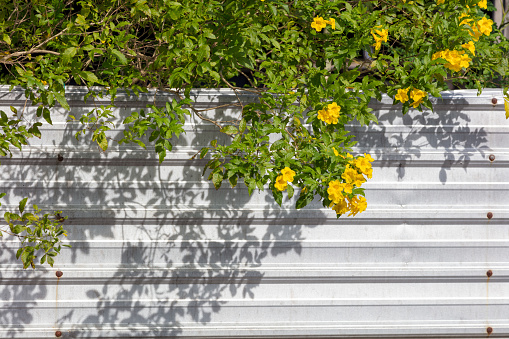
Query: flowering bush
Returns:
{"type": "Point", "coordinates": [311, 76]}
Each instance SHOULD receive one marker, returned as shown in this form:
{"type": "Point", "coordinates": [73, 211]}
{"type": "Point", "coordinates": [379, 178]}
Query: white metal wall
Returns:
{"type": "Point", "coordinates": [158, 252]}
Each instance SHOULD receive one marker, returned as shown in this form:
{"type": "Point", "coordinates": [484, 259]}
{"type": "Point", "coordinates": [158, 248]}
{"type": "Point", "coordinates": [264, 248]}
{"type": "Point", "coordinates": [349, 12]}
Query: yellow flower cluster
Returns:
{"type": "Point", "coordinates": [483, 4]}
{"type": "Point", "coordinates": [282, 180]}
{"type": "Point", "coordinates": [483, 26]}
{"type": "Point", "coordinates": [470, 46]}
{"type": "Point", "coordinates": [415, 94]}
{"type": "Point", "coordinates": [339, 191]}
{"type": "Point", "coordinates": [319, 23]}
{"type": "Point", "coordinates": [456, 60]}
{"type": "Point", "coordinates": [379, 35]}
{"type": "Point", "coordinates": [330, 115]}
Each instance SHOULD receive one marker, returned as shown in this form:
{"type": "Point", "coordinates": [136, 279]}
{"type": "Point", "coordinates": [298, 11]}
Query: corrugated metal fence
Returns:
{"type": "Point", "coordinates": [158, 252]}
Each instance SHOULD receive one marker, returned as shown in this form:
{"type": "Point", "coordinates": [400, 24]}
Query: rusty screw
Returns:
{"type": "Point", "coordinates": [59, 274]}
{"type": "Point", "coordinates": [489, 330]}
{"type": "Point", "coordinates": [58, 334]}
{"type": "Point", "coordinates": [494, 101]}
{"type": "Point", "coordinates": [489, 215]}
{"type": "Point", "coordinates": [491, 157]}
{"type": "Point", "coordinates": [489, 273]}
{"type": "Point", "coordinates": [60, 157]}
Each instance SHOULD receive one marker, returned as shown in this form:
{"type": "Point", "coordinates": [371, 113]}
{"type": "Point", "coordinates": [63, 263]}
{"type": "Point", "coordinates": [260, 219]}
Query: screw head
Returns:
{"type": "Point", "coordinates": [59, 274]}
{"type": "Point", "coordinates": [489, 215]}
{"type": "Point", "coordinates": [491, 157]}
{"type": "Point", "coordinates": [60, 157]}
{"type": "Point", "coordinates": [58, 334]}
{"type": "Point", "coordinates": [494, 101]}
{"type": "Point", "coordinates": [489, 273]}
{"type": "Point", "coordinates": [489, 330]}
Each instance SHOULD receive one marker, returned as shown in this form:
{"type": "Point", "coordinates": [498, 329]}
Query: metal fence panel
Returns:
{"type": "Point", "coordinates": [158, 252]}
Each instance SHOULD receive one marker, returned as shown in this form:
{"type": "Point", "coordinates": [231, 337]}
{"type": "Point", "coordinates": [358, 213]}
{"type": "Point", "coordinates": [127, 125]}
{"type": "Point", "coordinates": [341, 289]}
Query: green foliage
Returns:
{"type": "Point", "coordinates": [38, 234]}
{"type": "Point", "coordinates": [301, 62]}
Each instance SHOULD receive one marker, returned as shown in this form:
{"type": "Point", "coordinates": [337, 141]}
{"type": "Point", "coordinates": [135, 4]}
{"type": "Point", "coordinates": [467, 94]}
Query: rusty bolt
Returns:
{"type": "Point", "coordinates": [491, 157]}
{"type": "Point", "coordinates": [58, 334]}
{"type": "Point", "coordinates": [59, 274]}
{"type": "Point", "coordinates": [489, 273]}
{"type": "Point", "coordinates": [489, 330]}
{"type": "Point", "coordinates": [60, 157]}
{"type": "Point", "coordinates": [494, 101]}
{"type": "Point", "coordinates": [489, 215]}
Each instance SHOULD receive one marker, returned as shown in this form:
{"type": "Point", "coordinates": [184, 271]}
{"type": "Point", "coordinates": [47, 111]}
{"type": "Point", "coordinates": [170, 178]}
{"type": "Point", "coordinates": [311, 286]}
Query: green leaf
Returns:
{"type": "Point", "coordinates": [89, 76]}
{"type": "Point", "coordinates": [62, 101]}
{"type": "Point", "coordinates": [22, 205]}
{"type": "Point", "coordinates": [18, 252]}
{"type": "Point", "coordinates": [121, 57]}
{"type": "Point", "coordinates": [217, 179]}
{"type": "Point", "coordinates": [6, 38]}
{"type": "Point", "coordinates": [279, 144]}
{"type": "Point", "coordinates": [303, 200]}
{"type": "Point", "coordinates": [290, 190]}
{"type": "Point", "coordinates": [278, 196]}
{"type": "Point", "coordinates": [17, 229]}
{"type": "Point", "coordinates": [102, 141]}
{"type": "Point", "coordinates": [14, 110]}
{"type": "Point", "coordinates": [233, 180]}
{"type": "Point", "coordinates": [242, 125]}
{"type": "Point", "coordinates": [204, 152]}
{"type": "Point", "coordinates": [46, 114]}
{"type": "Point", "coordinates": [68, 54]}
{"type": "Point", "coordinates": [230, 129]}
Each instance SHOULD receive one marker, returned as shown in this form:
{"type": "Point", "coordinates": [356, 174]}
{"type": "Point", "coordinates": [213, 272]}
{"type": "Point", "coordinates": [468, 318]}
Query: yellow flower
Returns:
{"type": "Point", "coordinates": [335, 191]}
{"type": "Point", "coordinates": [470, 46]}
{"type": "Point", "coordinates": [485, 26]}
{"type": "Point", "coordinates": [280, 183]}
{"type": "Point", "coordinates": [483, 4]}
{"type": "Point", "coordinates": [417, 96]}
{"type": "Point", "coordinates": [287, 174]}
{"type": "Point", "coordinates": [475, 34]}
{"type": "Point", "coordinates": [336, 153]}
{"type": "Point", "coordinates": [455, 60]}
{"type": "Point", "coordinates": [379, 35]}
{"type": "Point", "coordinates": [358, 180]}
{"type": "Point", "coordinates": [364, 165]}
{"type": "Point", "coordinates": [332, 22]}
{"type": "Point", "coordinates": [464, 21]}
{"type": "Point", "coordinates": [330, 115]}
{"type": "Point", "coordinates": [44, 82]}
{"type": "Point", "coordinates": [333, 109]}
{"type": "Point", "coordinates": [349, 174]}
{"type": "Point", "coordinates": [357, 205]}
{"type": "Point", "coordinates": [318, 23]}
{"type": "Point", "coordinates": [440, 2]}
{"type": "Point", "coordinates": [340, 207]}
{"type": "Point", "coordinates": [402, 94]}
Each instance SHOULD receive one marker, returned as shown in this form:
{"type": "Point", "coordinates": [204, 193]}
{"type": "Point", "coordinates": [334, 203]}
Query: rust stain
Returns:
{"type": "Point", "coordinates": [489, 273]}
{"type": "Point", "coordinates": [489, 330]}
{"type": "Point", "coordinates": [58, 275]}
